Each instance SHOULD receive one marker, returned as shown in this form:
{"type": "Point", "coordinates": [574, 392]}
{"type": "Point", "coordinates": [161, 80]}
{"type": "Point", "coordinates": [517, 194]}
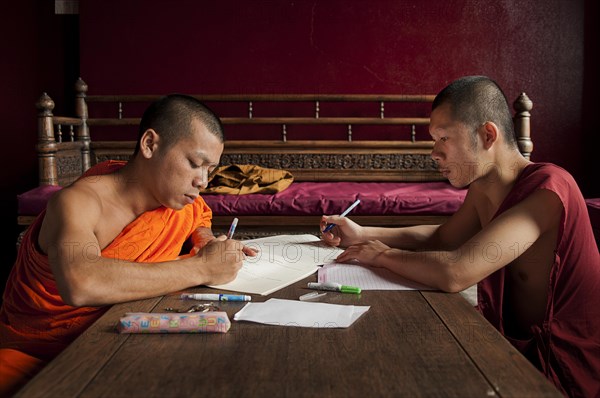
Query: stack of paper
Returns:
{"type": "Point", "coordinates": [301, 314]}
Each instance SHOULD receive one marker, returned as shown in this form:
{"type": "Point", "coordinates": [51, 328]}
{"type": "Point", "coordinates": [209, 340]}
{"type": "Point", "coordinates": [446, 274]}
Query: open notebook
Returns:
{"type": "Point", "coordinates": [281, 261]}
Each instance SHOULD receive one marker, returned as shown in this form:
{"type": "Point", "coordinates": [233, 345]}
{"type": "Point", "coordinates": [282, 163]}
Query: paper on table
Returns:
{"type": "Point", "coordinates": [301, 314]}
{"type": "Point", "coordinates": [367, 278]}
{"type": "Point", "coordinates": [281, 261]}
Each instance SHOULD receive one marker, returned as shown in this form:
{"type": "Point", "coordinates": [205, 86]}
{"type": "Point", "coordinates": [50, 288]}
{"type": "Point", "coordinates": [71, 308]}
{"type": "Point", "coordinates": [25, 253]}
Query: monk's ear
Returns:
{"type": "Point", "coordinates": [489, 133]}
{"type": "Point", "coordinates": [149, 143]}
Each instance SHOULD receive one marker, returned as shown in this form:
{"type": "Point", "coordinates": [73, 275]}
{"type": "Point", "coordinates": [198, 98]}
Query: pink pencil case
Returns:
{"type": "Point", "coordinates": [191, 322]}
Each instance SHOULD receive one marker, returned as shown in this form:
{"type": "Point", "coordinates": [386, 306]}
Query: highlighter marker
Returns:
{"type": "Point", "coordinates": [336, 287]}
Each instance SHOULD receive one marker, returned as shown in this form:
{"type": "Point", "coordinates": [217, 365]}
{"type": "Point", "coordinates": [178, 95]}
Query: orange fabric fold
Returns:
{"type": "Point", "coordinates": [15, 368]}
{"type": "Point", "coordinates": [35, 321]}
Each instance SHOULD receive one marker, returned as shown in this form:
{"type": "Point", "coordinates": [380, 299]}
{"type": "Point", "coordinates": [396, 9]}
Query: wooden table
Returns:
{"type": "Point", "coordinates": [409, 343]}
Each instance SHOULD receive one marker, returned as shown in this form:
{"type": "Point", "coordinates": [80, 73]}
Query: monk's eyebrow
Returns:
{"type": "Point", "coordinates": [199, 155]}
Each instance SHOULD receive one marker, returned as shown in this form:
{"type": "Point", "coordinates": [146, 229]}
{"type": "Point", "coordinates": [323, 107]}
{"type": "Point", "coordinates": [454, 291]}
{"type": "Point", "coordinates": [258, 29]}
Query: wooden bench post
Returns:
{"type": "Point", "coordinates": [46, 145]}
{"type": "Point", "coordinates": [83, 132]}
{"type": "Point", "coordinates": [522, 107]}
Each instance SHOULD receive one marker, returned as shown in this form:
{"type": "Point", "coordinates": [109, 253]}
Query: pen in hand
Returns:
{"type": "Point", "coordinates": [232, 228]}
{"type": "Point", "coordinates": [329, 227]}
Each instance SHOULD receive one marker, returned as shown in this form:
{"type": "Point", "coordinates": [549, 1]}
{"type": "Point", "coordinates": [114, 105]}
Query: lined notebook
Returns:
{"type": "Point", "coordinates": [282, 260]}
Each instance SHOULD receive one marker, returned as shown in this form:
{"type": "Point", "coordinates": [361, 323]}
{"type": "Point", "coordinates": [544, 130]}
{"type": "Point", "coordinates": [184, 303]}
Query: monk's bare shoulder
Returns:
{"type": "Point", "coordinates": [462, 225]}
{"type": "Point", "coordinates": [75, 209]}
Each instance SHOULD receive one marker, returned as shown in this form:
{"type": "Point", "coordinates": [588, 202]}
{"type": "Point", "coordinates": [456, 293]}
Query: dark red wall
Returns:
{"type": "Point", "coordinates": [36, 50]}
{"type": "Point", "coordinates": [341, 46]}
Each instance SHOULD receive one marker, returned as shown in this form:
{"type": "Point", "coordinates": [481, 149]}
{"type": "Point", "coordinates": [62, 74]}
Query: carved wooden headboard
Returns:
{"type": "Point", "coordinates": [355, 153]}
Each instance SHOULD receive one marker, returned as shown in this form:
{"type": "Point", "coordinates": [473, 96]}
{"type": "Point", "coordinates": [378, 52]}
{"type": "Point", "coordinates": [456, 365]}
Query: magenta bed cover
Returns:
{"type": "Point", "coordinates": [314, 198]}
{"type": "Point", "coordinates": [317, 198]}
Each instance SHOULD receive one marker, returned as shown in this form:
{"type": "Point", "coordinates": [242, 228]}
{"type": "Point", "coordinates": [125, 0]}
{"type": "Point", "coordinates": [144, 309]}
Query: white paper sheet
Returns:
{"type": "Point", "coordinates": [301, 314]}
{"type": "Point", "coordinates": [367, 278]}
{"type": "Point", "coordinates": [282, 260]}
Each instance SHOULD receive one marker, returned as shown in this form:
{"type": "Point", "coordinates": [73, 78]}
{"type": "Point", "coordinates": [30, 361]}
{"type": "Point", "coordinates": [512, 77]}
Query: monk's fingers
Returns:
{"type": "Point", "coordinates": [331, 239]}
{"type": "Point", "coordinates": [349, 254]}
{"type": "Point", "coordinates": [249, 251]}
{"type": "Point", "coordinates": [323, 223]}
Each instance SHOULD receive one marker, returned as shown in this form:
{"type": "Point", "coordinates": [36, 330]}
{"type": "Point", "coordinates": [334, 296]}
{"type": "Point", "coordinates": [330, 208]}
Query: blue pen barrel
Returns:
{"type": "Point", "coordinates": [233, 297]}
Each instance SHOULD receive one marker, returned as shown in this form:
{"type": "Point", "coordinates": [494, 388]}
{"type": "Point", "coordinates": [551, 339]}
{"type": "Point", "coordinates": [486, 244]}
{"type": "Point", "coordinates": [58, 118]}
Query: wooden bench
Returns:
{"type": "Point", "coordinates": [318, 138]}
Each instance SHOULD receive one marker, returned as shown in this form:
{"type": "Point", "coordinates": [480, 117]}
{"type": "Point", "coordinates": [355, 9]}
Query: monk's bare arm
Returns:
{"type": "Point", "coordinates": [461, 226]}
{"type": "Point", "coordinates": [85, 278]}
{"type": "Point", "coordinates": [489, 250]}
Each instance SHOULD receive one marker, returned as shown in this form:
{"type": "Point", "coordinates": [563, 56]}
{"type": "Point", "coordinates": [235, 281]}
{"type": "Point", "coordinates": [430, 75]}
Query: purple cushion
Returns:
{"type": "Point", "coordinates": [32, 202]}
{"type": "Point", "coordinates": [316, 198]}
{"type": "Point", "coordinates": [313, 198]}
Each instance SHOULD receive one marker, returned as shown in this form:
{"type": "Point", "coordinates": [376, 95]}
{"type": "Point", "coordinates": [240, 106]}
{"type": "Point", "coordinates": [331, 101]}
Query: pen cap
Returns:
{"type": "Point", "coordinates": [350, 289]}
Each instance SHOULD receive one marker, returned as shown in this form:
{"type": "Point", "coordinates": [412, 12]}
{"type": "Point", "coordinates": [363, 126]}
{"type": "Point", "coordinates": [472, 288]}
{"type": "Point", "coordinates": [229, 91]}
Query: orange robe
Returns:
{"type": "Point", "coordinates": [35, 323]}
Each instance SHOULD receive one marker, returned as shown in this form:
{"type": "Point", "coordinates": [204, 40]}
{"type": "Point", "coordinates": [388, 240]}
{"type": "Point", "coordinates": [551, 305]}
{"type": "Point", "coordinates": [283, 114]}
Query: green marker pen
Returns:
{"type": "Point", "coordinates": [336, 287]}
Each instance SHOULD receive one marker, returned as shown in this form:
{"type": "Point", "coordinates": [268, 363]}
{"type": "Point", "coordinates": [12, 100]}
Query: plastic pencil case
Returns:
{"type": "Point", "coordinates": [198, 322]}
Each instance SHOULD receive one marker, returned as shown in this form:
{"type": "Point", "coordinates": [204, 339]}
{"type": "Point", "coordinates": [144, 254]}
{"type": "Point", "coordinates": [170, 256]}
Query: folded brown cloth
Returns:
{"type": "Point", "coordinates": [242, 179]}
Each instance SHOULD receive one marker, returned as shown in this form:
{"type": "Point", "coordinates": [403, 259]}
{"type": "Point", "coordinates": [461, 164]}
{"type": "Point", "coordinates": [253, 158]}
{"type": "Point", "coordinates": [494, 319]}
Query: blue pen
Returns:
{"type": "Point", "coordinates": [232, 228]}
{"type": "Point", "coordinates": [348, 210]}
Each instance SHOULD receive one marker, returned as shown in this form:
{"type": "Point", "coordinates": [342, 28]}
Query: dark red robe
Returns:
{"type": "Point", "coordinates": [566, 346]}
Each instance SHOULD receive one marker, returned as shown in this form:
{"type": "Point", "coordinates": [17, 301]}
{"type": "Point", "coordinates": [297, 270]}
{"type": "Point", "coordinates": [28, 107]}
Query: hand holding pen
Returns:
{"type": "Point", "coordinates": [347, 231]}
{"type": "Point", "coordinates": [329, 227]}
{"type": "Point", "coordinates": [246, 250]}
{"type": "Point", "coordinates": [204, 235]}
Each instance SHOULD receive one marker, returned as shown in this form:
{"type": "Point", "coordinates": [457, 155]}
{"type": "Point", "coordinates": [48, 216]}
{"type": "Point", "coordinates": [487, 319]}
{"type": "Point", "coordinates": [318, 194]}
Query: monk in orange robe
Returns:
{"type": "Point", "coordinates": [115, 235]}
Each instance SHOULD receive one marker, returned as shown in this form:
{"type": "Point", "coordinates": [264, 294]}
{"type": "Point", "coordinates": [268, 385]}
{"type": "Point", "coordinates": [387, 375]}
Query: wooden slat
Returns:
{"type": "Point", "coordinates": [73, 369]}
{"type": "Point", "coordinates": [505, 368]}
{"type": "Point", "coordinates": [300, 146]}
{"type": "Point", "coordinates": [327, 120]}
{"type": "Point", "coordinates": [375, 121]}
{"type": "Point", "coordinates": [66, 120]}
{"type": "Point", "coordinates": [126, 121]}
{"type": "Point", "coordinates": [318, 146]}
{"type": "Point", "coordinates": [68, 147]}
{"type": "Point", "coordinates": [273, 98]}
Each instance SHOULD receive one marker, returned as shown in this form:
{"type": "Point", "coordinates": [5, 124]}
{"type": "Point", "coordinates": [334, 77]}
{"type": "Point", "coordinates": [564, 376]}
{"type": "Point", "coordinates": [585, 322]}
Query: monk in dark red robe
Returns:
{"type": "Point", "coordinates": [566, 344]}
{"type": "Point", "coordinates": [523, 234]}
